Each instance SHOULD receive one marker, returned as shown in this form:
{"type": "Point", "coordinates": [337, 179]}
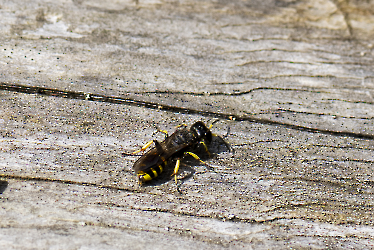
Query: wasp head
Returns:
{"type": "Point", "coordinates": [201, 132]}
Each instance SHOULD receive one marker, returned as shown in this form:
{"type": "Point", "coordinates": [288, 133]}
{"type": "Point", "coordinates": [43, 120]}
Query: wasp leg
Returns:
{"type": "Point", "coordinates": [164, 132]}
{"type": "Point", "coordinates": [161, 131]}
{"type": "Point", "coordinates": [228, 132]}
{"type": "Point", "coordinates": [196, 157]}
{"type": "Point", "coordinates": [176, 168]}
{"type": "Point", "coordinates": [181, 125]}
{"type": "Point", "coordinates": [177, 164]}
{"type": "Point", "coordinates": [211, 125]}
{"type": "Point", "coordinates": [203, 162]}
{"type": "Point", "coordinates": [147, 145]}
{"type": "Point", "coordinates": [206, 150]}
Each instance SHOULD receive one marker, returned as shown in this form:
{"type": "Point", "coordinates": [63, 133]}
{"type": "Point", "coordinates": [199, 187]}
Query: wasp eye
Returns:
{"type": "Point", "coordinates": [208, 136]}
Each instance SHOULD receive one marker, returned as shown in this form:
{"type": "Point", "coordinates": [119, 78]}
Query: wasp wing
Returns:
{"type": "Point", "coordinates": [156, 156]}
{"type": "Point", "coordinates": [148, 160]}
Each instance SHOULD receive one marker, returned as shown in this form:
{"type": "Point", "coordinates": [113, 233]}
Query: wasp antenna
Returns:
{"type": "Point", "coordinates": [145, 147]}
{"type": "Point", "coordinates": [181, 125]}
{"type": "Point", "coordinates": [228, 132]}
{"type": "Point", "coordinates": [211, 125]}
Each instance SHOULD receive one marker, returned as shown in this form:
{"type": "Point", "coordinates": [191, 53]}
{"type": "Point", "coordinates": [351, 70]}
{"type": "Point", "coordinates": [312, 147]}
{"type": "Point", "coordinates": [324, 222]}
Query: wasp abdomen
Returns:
{"type": "Point", "coordinates": [151, 173]}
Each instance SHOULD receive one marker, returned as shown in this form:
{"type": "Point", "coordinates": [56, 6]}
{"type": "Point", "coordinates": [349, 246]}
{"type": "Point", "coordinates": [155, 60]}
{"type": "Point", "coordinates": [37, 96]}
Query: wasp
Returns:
{"type": "Point", "coordinates": [175, 146]}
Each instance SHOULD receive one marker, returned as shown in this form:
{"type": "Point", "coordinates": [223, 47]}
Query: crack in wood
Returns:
{"type": "Point", "coordinates": [33, 178]}
{"type": "Point", "coordinates": [175, 109]}
{"type": "Point", "coordinates": [341, 147]}
{"type": "Point", "coordinates": [339, 160]}
{"type": "Point", "coordinates": [310, 63]}
{"type": "Point", "coordinates": [320, 114]}
{"type": "Point", "coordinates": [341, 6]}
{"type": "Point", "coordinates": [236, 93]}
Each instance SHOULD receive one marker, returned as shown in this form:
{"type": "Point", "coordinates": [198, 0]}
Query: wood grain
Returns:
{"type": "Point", "coordinates": [85, 81]}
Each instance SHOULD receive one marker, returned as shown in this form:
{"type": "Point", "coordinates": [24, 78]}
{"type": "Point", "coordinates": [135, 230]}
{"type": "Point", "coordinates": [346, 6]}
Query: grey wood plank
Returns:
{"type": "Point", "coordinates": [292, 83]}
{"type": "Point", "coordinates": [293, 175]}
{"type": "Point", "coordinates": [48, 217]}
{"type": "Point", "coordinates": [114, 52]}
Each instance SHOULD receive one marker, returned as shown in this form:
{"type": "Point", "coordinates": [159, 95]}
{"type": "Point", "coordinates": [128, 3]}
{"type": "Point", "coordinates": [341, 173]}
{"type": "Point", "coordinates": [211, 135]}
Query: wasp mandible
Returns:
{"type": "Point", "coordinates": [175, 146]}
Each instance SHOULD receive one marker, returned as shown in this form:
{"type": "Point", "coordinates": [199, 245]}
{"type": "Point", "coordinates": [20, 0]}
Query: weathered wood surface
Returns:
{"type": "Point", "coordinates": [291, 82]}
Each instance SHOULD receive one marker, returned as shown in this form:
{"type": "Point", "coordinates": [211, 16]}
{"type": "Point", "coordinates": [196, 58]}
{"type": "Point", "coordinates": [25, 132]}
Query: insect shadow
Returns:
{"type": "Point", "coordinates": [3, 186]}
{"type": "Point", "coordinates": [216, 147]}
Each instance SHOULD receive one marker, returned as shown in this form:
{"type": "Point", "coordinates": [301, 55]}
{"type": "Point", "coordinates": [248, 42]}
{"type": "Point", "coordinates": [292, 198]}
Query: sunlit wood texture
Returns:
{"type": "Point", "coordinates": [291, 82]}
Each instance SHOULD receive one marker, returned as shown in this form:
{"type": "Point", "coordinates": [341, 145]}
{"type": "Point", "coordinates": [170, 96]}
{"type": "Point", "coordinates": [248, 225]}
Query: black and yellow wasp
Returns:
{"type": "Point", "coordinates": [175, 146]}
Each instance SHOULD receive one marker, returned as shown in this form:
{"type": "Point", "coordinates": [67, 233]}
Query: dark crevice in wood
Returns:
{"type": "Point", "coordinates": [219, 217]}
{"type": "Point", "coordinates": [329, 203]}
{"type": "Point", "coordinates": [175, 109]}
{"type": "Point", "coordinates": [279, 110]}
{"type": "Point", "coordinates": [349, 101]}
{"type": "Point", "coordinates": [240, 93]}
{"type": "Point", "coordinates": [339, 160]}
{"type": "Point", "coordinates": [340, 5]}
{"type": "Point", "coordinates": [349, 185]}
{"type": "Point", "coordinates": [237, 93]}
{"type": "Point", "coordinates": [32, 178]}
{"type": "Point", "coordinates": [253, 143]}
{"type": "Point", "coordinates": [278, 50]}
{"type": "Point", "coordinates": [310, 63]}
{"type": "Point", "coordinates": [182, 213]}
{"type": "Point", "coordinates": [341, 147]}
{"type": "Point", "coordinates": [307, 40]}
{"type": "Point", "coordinates": [312, 76]}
